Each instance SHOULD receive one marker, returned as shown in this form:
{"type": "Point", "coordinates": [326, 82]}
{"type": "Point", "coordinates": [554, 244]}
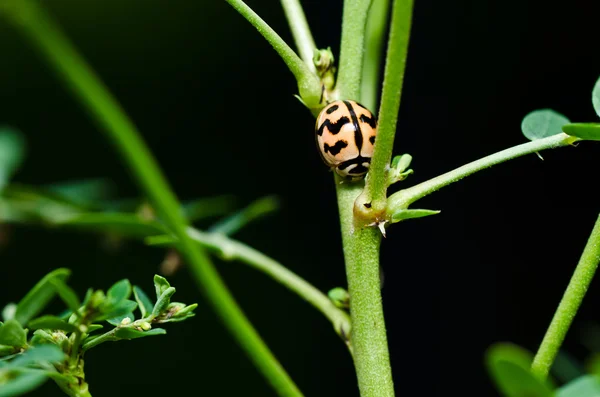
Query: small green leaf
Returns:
{"type": "Point", "coordinates": [123, 308]}
{"type": "Point", "coordinates": [9, 311]}
{"type": "Point", "coordinates": [39, 354]}
{"type": "Point", "coordinates": [66, 293]}
{"type": "Point", "coordinates": [508, 366]}
{"type": "Point", "coordinates": [163, 301]}
{"type": "Point", "coordinates": [144, 303]}
{"type": "Point", "coordinates": [94, 327]}
{"type": "Point", "coordinates": [403, 214]}
{"type": "Point", "coordinates": [585, 386]}
{"type": "Point", "coordinates": [116, 321]}
{"type": "Point", "coordinates": [85, 192]}
{"type": "Point", "coordinates": [39, 296]}
{"type": "Point", "coordinates": [543, 123]}
{"type": "Point", "coordinates": [123, 224]}
{"type": "Point", "coordinates": [340, 297]}
{"type": "Point", "coordinates": [6, 350]}
{"type": "Point", "coordinates": [257, 209]}
{"type": "Point", "coordinates": [13, 334]}
{"type": "Point", "coordinates": [12, 148]}
{"type": "Point", "coordinates": [23, 383]}
{"type": "Point", "coordinates": [596, 97]}
{"type": "Point", "coordinates": [587, 131]}
{"type": "Point", "coordinates": [51, 322]}
{"type": "Point", "coordinates": [160, 285]}
{"type": "Point", "coordinates": [40, 336]}
{"type": "Point", "coordinates": [206, 207]}
{"type": "Point", "coordinates": [130, 333]}
{"type": "Point", "coordinates": [119, 291]}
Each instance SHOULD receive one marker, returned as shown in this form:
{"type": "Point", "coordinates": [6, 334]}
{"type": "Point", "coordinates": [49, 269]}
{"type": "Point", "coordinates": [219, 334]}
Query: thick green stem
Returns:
{"type": "Point", "coordinates": [567, 309]}
{"type": "Point", "coordinates": [376, 186]}
{"type": "Point", "coordinates": [405, 197]}
{"type": "Point", "coordinates": [301, 31]}
{"type": "Point", "coordinates": [369, 339]}
{"type": "Point", "coordinates": [60, 53]}
{"type": "Point", "coordinates": [354, 21]}
{"type": "Point", "coordinates": [377, 25]}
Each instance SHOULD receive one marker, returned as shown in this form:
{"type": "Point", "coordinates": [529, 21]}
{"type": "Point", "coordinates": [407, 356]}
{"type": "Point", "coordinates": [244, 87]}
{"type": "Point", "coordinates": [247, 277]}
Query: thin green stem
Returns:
{"type": "Point", "coordinates": [403, 198]}
{"type": "Point", "coordinates": [377, 27]}
{"type": "Point", "coordinates": [376, 185]}
{"type": "Point", "coordinates": [308, 83]}
{"type": "Point", "coordinates": [301, 31]}
{"type": "Point", "coordinates": [369, 339]}
{"type": "Point", "coordinates": [78, 75]}
{"type": "Point", "coordinates": [354, 21]}
{"type": "Point", "coordinates": [230, 249]}
{"type": "Point", "coordinates": [569, 304]}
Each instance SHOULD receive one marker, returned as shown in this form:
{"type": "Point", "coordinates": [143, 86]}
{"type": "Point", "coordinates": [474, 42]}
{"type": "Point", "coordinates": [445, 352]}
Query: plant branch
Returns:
{"type": "Point", "coordinates": [376, 185]}
{"type": "Point", "coordinates": [403, 198]}
{"type": "Point", "coordinates": [301, 31]}
{"type": "Point", "coordinates": [87, 87]}
{"type": "Point", "coordinates": [308, 83]}
{"type": "Point", "coordinates": [354, 21]}
{"type": "Point", "coordinates": [230, 249]}
{"type": "Point", "coordinates": [377, 24]}
{"type": "Point", "coordinates": [569, 304]}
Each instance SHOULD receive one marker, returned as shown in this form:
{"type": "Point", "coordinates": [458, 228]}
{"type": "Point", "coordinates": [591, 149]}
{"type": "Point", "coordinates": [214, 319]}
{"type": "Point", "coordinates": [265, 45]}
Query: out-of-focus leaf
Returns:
{"type": "Point", "coordinates": [508, 366]}
{"type": "Point", "coordinates": [39, 296]}
{"type": "Point", "coordinates": [12, 151]}
{"type": "Point", "coordinates": [585, 386]}
{"type": "Point", "coordinates": [596, 97]}
{"type": "Point", "coordinates": [22, 383]}
{"type": "Point", "coordinates": [543, 123]}
{"type": "Point", "coordinates": [13, 334]}
{"type": "Point", "coordinates": [68, 296]}
{"type": "Point", "coordinates": [39, 354]}
{"type": "Point", "coordinates": [88, 192]}
{"type": "Point", "coordinates": [587, 131]}
{"type": "Point", "coordinates": [119, 291]}
{"type": "Point", "coordinates": [144, 303]}
{"type": "Point", "coordinates": [51, 322]}
{"type": "Point", "coordinates": [129, 225]}
{"type": "Point", "coordinates": [257, 209]}
{"type": "Point", "coordinates": [207, 207]}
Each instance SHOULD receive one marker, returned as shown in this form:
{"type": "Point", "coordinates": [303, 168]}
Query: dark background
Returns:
{"type": "Point", "coordinates": [213, 100]}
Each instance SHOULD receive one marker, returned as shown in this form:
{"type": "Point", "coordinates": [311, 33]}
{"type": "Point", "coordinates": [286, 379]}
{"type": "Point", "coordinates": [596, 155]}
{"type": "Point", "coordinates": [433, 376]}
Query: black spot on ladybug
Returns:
{"type": "Point", "coordinates": [332, 109]}
{"type": "Point", "coordinates": [333, 128]}
{"type": "Point", "coordinates": [335, 149]}
{"type": "Point", "coordinates": [367, 205]}
{"type": "Point", "coordinates": [369, 120]}
{"type": "Point", "coordinates": [358, 138]}
{"type": "Point", "coordinates": [372, 140]}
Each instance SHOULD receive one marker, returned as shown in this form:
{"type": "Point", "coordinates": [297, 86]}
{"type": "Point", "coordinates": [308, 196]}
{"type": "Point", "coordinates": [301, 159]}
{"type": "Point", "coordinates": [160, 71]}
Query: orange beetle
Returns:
{"type": "Point", "coordinates": [345, 132]}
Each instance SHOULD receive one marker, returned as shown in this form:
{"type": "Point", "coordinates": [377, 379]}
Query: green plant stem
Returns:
{"type": "Point", "coordinates": [87, 87]}
{"type": "Point", "coordinates": [377, 24]}
{"type": "Point", "coordinates": [376, 185]}
{"type": "Point", "coordinates": [369, 339]}
{"type": "Point", "coordinates": [569, 304]}
{"type": "Point", "coordinates": [301, 31]}
{"type": "Point", "coordinates": [230, 249]}
{"type": "Point", "coordinates": [403, 198]}
{"type": "Point", "coordinates": [354, 21]}
{"type": "Point", "coordinates": [308, 83]}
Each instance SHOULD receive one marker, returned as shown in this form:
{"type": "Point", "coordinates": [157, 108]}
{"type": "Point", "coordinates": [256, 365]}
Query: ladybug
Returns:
{"type": "Point", "coordinates": [345, 133]}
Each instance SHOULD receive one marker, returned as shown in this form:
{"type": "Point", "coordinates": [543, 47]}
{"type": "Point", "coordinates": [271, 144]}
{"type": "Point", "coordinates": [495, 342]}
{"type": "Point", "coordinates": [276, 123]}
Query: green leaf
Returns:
{"type": "Point", "coordinates": [40, 337]}
{"type": "Point", "coordinates": [509, 367]}
{"type": "Point", "coordinates": [206, 207]}
{"type": "Point", "coordinates": [51, 322]}
{"type": "Point", "coordinates": [340, 297]}
{"type": "Point", "coordinates": [163, 301]}
{"type": "Point", "coordinates": [39, 354]}
{"type": "Point", "coordinates": [403, 214]}
{"type": "Point", "coordinates": [160, 285]}
{"type": "Point", "coordinates": [124, 307]}
{"type": "Point", "coordinates": [39, 296]}
{"type": "Point", "coordinates": [13, 334]}
{"type": "Point", "coordinates": [587, 131]}
{"type": "Point", "coordinates": [585, 386]}
{"type": "Point", "coordinates": [6, 350]}
{"type": "Point", "coordinates": [129, 225]}
{"type": "Point", "coordinates": [67, 295]}
{"type": "Point", "coordinates": [144, 303]}
{"type": "Point", "coordinates": [116, 321]}
{"type": "Point", "coordinates": [596, 97]}
{"type": "Point", "coordinates": [87, 192]}
{"type": "Point", "coordinates": [12, 148]}
{"type": "Point", "coordinates": [257, 209]}
{"type": "Point", "coordinates": [9, 311]}
{"type": "Point", "coordinates": [23, 383]}
{"type": "Point", "coordinates": [131, 333]}
{"type": "Point", "coordinates": [119, 291]}
{"type": "Point", "coordinates": [94, 327]}
{"type": "Point", "coordinates": [543, 123]}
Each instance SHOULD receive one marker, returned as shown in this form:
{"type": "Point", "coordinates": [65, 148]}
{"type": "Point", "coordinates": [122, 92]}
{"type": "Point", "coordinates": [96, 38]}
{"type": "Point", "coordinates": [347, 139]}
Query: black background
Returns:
{"type": "Point", "coordinates": [215, 104]}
